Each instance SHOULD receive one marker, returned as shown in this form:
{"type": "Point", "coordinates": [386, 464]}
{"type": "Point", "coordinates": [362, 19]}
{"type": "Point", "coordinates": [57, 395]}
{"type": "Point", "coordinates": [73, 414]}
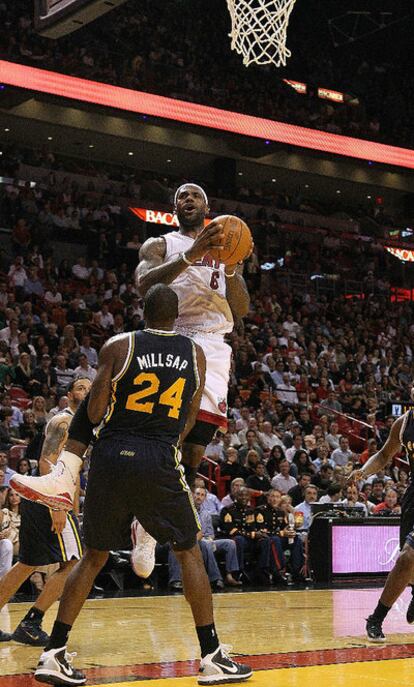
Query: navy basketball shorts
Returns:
{"type": "Point", "coordinates": [132, 476]}
{"type": "Point", "coordinates": [39, 545]}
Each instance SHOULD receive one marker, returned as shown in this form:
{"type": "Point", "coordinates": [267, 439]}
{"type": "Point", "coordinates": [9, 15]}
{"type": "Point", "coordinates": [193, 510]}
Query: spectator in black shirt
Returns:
{"type": "Point", "coordinates": [297, 493]}
{"type": "Point", "coordinates": [259, 482]}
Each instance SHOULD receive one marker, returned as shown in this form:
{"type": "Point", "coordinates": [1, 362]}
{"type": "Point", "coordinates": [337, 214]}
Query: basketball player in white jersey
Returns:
{"type": "Point", "coordinates": [211, 297]}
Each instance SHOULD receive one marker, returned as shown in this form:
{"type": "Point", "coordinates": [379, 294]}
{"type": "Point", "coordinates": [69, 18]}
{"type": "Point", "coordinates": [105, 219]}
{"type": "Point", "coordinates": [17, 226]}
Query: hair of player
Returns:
{"type": "Point", "coordinates": [72, 384]}
{"type": "Point", "coordinates": [160, 305]}
{"type": "Point", "coordinates": [202, 191]}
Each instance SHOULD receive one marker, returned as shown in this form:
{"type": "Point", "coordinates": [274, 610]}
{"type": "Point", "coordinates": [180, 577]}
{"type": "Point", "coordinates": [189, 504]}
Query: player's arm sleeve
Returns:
{"type": "Point", "coordinates": [81, 428]}
{"type": "Point", "coordinates": [100, 392]}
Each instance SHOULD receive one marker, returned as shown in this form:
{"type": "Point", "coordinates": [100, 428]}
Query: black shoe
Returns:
{"type": "Point", "coordinates": [218, 668]}
{"type": "Point", "coordinates": [410, 612]}
{"type": "Point", "coordinates": [374, 630]}
{"type": "Point", "coordinates": [217, 586]}
{"type": "Point", "coordinates": [29, 632]}
{"type": "Point", "coordinates": [176, 586]}
{"type": "Point", "coordinates": [5, 636]}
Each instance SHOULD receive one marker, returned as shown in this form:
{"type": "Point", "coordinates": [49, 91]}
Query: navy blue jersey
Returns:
{"type": "Point", "coordinates": [151, 395]}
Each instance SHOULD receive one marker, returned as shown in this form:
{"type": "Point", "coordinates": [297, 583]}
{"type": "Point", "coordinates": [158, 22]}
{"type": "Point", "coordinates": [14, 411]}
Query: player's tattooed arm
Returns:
{"type": "Point", "coordinates": [196, 400]}
{"type": "Point", "coordinates": [111, 359]}
{"type": "Point", "coordinates": [55, 439]}
{"type": "Point", "coordinates": [237, 293]}
{"type": "Point", "coordinates": [151, 267]}
{"type": "Point", "coordinates": [380, 459]}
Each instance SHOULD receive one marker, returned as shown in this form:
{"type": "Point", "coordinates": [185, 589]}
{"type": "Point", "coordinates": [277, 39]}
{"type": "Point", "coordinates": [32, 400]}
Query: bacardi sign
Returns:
{"type": "Point", "coordinates": [158, 217]}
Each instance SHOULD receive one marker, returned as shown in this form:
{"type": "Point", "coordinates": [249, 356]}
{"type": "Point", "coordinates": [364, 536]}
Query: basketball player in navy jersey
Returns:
{"type": "Point", "coordinates": [402, 574]}
{"type": "Point", "coordinates": [145, 399]}
{"type": "Point", "coordinates": [46, 537]}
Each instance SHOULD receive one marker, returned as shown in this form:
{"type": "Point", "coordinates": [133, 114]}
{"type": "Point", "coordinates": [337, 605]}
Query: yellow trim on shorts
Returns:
{"type": "Point", "coordinates": [75, 532]}
{"type": "Point", "coordinates": [61, 542]}
{"type": "Point", "coordinates": [179, 467]}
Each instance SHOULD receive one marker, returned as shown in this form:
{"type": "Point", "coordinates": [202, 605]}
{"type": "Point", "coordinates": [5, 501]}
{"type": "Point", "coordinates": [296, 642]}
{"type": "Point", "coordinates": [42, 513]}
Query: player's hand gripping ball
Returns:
{"type": "Point", "coordinates": [237, 244]}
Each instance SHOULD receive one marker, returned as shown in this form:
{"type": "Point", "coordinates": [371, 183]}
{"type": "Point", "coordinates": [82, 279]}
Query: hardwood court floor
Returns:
{"type": "Point", "coordinates": [309, 637]}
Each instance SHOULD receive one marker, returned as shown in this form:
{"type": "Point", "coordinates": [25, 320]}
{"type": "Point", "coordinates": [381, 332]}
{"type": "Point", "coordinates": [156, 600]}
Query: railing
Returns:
{"type": "Point", "coordinates": [357, 431]}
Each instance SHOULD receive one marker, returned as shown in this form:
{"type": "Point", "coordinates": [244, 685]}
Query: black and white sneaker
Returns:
{"type": "Point", "coordinates": [374, 630]}
{"type": "Point", "coordinates": [218, 668]}
{"type": "Point", "coordinates": [29, 632]}
{"type": "Point", "coordinates": [5, 636]}
{"type": "Point", "coordinates": [55, 668]}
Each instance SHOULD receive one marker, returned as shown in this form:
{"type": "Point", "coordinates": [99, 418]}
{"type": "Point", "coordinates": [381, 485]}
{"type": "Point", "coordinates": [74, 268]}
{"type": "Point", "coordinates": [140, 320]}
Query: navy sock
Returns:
{"type": "Point", "coordinates": [381, 612]}
{"type": "Point", "coordinates": [59, 636]}
{"type": "Point", "coordinates": [207, 636]}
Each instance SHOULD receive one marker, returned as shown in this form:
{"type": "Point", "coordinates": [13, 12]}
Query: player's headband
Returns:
{"type": "Point", "coordinates": [202, 191]}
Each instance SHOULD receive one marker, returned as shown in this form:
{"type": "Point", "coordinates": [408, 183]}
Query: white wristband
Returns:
{"type": "Point", "coordinates": [230, 276]}
{"type": "Point", "coordinates": [183, 257]}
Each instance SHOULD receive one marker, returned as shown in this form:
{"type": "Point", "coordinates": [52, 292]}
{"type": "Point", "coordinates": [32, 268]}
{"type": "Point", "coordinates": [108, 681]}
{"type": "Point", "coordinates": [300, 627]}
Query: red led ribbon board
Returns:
{"type": "Point", "coordinates": [159, 217]}
{"type": "Point", "coordinates": [200, 115]}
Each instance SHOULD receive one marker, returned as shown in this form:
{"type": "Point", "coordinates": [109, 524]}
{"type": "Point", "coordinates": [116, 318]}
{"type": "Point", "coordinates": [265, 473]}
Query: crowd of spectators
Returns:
{"type": "Point", "coordinates": [160, 47]}
{"type": "Point", "coordinates": [302, 361]}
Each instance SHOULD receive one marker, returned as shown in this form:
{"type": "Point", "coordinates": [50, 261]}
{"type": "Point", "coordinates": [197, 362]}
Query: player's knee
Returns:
{"type": "Point", "coordinates": [96, 558]}
{"type": "Point", "coordinates": [198, 438]}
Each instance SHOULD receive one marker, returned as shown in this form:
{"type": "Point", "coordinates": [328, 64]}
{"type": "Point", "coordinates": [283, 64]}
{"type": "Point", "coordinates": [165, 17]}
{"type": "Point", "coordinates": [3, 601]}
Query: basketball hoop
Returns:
{"type": "Point", "coordinates": [259, 29]}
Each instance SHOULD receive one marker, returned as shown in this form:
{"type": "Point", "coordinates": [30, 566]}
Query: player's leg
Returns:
{"type": "Point", "coordinates": [407, 526]}
{"type": "Point", "coordinates": [29, 630]}
{"type": "Point", "coordinates": [9, 584]}
{"type": "Point", "coordinates": [143, 552]}
{"type": "Point", "coordinates": [57, 488]}
{"type": "Point", "coordinates": [400, 576]}
{"type": "Point", "coordinates": [106, 526]}
{"type": "Point", "coordinates": [216, 665]}
{"type": "Point", "coordinates": [164, 505]}
{"type": "Point", "coordinates": [210, 563]}
{"type": "Point", "coordinates": [55, 664]}
{"type": "Point", "coordinates": [6, 556]}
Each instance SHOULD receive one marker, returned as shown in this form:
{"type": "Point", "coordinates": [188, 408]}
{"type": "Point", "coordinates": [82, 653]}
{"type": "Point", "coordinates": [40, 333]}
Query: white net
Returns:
{"type": "Point", "coordinates": [259, 29]}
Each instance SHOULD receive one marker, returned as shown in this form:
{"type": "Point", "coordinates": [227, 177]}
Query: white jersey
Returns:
{"type": "Point", "coordinates": [201, 289]}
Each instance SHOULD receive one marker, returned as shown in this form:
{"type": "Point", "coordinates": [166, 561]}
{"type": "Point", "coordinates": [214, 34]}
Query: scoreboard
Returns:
{"type": "Point", "coordinates": [55, 18]}
{"type": "Point", "coordinates": [396, 409]}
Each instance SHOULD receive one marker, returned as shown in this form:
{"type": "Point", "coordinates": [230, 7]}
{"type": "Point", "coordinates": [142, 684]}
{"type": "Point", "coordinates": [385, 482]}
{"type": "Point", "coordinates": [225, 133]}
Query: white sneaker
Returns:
{"type": "Point", "coordinates": [218, 668]}
{"type": "Point", "coordinates": [56, 489]}
{"type": "Point", "coordinates": [55, 668]}
{"type": "Point", "coordinates": [143, 553]}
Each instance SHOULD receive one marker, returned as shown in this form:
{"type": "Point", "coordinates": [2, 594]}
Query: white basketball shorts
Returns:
{"type": "Point", "coordinates": [213, 407]}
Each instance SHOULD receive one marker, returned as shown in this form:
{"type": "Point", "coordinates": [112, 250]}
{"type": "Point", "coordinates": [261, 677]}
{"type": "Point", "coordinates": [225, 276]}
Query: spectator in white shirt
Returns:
{"type": "Point", "coordinates": [53, 296]}
{"type": "Point", "coordinates": [105, 318]}
{"type": "Point", "coordinates": [215, 449]}
{"type": "Point", "coordinates": [352, 496]}
{"type": "Point", "coordinates": [286, 393]}
{"type": "Point", "coordinates": [17, 274]}
{"type": "Point", "coordinates": [291, 326]}
{"type": "Point", "coordinates": [268, 438]}
{"type": "Point", "coordinates": [342, 455]}
{"type": "Point", "coordinates": [297, 446]}
{"type": "Point", "coordinates": [80, 271]}
{"type": "Point", "coordinates": [277, 374]}
{"type": "Point", "coordinates": [89, 350]}
{"type": "Point", "coordinates": [84, 369]}
{"type": "Point", "coordinates": [283, 480]}
{"type": "Point", "coordinates": [236, 484]}
{"type": "Point", "coordinates": [333, 437]}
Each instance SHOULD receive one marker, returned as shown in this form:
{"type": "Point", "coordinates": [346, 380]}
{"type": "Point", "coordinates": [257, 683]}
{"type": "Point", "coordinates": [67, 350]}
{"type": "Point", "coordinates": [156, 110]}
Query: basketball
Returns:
{"type": "Point", "coordinates": [237, 242]}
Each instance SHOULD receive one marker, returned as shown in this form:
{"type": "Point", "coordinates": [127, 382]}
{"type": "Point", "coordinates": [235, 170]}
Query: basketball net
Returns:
{"type": "Point", "coordinates": [259, 29]}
